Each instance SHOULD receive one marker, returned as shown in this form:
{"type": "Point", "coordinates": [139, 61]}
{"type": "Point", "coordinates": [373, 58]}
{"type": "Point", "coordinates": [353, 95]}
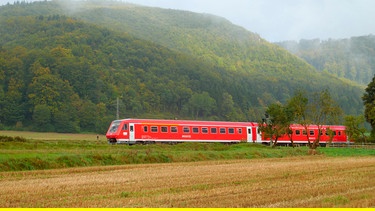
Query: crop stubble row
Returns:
{"type": "Point", "coordinates": [311, 181]}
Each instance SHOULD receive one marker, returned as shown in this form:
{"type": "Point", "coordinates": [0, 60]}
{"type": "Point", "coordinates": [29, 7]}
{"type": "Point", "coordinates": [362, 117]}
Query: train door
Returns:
{"type": "Point", "coordinates": [249, 134]}
{"type": "Point", "coordinates": [131, 133]}
{"type": "Point", "coordinates": [258, 135]}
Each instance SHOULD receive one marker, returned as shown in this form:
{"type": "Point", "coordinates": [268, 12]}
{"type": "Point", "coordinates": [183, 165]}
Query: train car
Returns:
{"type": "Point", "coordinates": [131, 131]}
{"type": "Point", "coordinates": [301, 136]}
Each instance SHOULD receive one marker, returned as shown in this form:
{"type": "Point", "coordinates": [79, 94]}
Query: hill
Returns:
{"type": "Point", "coordinates": [351, 58]}
{"type": "Point", "coordinates": [63, 70]}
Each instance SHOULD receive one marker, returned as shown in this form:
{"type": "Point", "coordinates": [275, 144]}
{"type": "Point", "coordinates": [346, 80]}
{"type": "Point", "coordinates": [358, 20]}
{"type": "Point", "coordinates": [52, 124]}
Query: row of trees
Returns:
{"type": "Point", "coordinates": [318, 109]}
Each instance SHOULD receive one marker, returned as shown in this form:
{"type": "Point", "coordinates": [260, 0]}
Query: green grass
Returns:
{"type": "Point", "coordinates": [346, 151]}
{"type": "Point", "coordinates": [34, 154]}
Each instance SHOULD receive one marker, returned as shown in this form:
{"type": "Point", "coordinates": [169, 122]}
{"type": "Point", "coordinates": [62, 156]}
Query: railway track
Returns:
{"type": "Point", "coordinates": [362, 146]}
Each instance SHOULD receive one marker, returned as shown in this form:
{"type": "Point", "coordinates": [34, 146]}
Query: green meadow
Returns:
{"type": "Point", "coordinates": [21, 151]}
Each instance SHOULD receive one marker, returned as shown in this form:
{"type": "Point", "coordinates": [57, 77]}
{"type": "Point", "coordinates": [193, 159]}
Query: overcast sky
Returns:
{"type": "Point", "coordinates": [278, 20]}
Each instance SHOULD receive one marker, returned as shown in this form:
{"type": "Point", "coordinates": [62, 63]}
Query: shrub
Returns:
{"type": "Point", "coordinates": [12, 139]}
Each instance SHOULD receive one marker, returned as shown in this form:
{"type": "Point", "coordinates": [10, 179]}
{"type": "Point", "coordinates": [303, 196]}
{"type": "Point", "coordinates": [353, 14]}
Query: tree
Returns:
{"type": "Point", "coordinates": [320, 110]}
{"type": "Point", "coordinates": [50, 90]}
{"type": "Point", "coordinates": [355, 128]}
{"type": "Point", "coordinates": [330, 134]}
{"type": "Point", "coordinates": [227, 106]}
{"type": "Point", "coordinates": [299, 105]}
{"type": "Point", "coordinates": [42, 118]}
{"type": "Point", "coordinates": [201, 105]}
{"type": "Point", "coordinates": [277, 122]}
{"type": "Point", "coordinates": [64, 124]}
{"type": "Point", "coordinates": [87, 116]}
{"type": "Point", "coordinates": [324, 110]}
{"type": "Point", "coordinates": [369, 102]}
{"type": "Point", "coordinates": [12, 104]}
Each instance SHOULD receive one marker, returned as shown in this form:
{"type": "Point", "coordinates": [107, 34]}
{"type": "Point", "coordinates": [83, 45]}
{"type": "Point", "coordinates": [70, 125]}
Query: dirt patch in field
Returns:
{"type": "Point", "coordinates": [311, 181]}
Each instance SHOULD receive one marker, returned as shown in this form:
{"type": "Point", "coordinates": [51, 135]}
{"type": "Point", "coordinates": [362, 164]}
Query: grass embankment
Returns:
{"type": "Point", "coordinates": [53, 151]}
{"type": "Point", "coordinates": [37, 154]}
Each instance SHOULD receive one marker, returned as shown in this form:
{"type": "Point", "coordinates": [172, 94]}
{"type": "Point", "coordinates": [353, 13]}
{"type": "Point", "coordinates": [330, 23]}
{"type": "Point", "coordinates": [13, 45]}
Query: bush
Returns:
{"type": "Point", "coordinates": [12, 139]}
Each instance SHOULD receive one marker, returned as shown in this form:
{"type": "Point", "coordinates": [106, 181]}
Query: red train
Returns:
{"type": "Point", "coordinates": [131, 131]}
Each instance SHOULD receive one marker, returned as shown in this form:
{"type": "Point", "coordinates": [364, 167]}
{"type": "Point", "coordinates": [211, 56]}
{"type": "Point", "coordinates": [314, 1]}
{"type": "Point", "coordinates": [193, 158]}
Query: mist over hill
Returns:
{"type": "Point", "coordinates": [64, 67]}
{"type": "Point", "coordinates": [352, 58]}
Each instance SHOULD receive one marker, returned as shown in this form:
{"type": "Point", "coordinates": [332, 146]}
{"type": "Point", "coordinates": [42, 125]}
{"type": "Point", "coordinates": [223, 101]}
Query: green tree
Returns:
{"type": "Point", "coordinates": [277, 122]}
{"type": "Point", "coordinates": [201, 105]}
{"type": "Point", "coordinates": [369, 102]}
{"type": "Point", "coordinates": [321, 109]}
{"type": "Point", "coordinates": [330, 134]}
{"type": "Point", "coordinates": [48, 89]}
{"type": "Point", "coordinates": [355, 128]}
{"type": "Point", "coordinates": [13, 109]}
{"type": "Point", "coordinates": [227, 107]}
{"type": "Point", "coordinates": [87, 116]}
{"type": "Point", "coordinates": [299, 106]}
{"type": "Point", "coordinates": [64, 123]}
{"type": "Point", "coordinates": [42, 118]}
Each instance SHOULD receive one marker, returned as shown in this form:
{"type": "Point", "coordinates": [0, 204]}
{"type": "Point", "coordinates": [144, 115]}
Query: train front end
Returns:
{"type": "Point", "coordinates": [114, 132]}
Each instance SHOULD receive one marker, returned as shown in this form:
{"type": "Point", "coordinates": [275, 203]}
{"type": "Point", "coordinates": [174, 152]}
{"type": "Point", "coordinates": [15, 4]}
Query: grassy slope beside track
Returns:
{"type": "Point", "coordinates": [55, 151]}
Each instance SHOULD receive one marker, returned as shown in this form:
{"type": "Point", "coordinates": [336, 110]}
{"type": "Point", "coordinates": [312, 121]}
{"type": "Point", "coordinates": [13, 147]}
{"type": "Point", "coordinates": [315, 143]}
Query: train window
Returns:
{"type": "Point", "coordinates": [249, 131]}
{"type": "Point", "coordinates": [298, 132]}
{"type": "Point", "coordinates": [239, 130]}
{"type": "Point", "coordinates": [195, 130]}
{"type": "Point", "coordinates": [125, 127]}
{"type": "Point", "coordinates": [312, 132]}
{"type": "Point", "coordinates": [213, 130]}
{"type": "Point", "coordinates": [186, 130]}
{"type": "Point", "coordinates": [304, 132]}
{"type": "Point", "coordinates": [131, 128]}
{"type": "Point", "coordinates": [222, 130]}
{"type": "Point", "coordinates": [339, 132]}
{"type": "Point", "coordinates": [204, 130]}
{"type": "Point", "coordinates": [114, 126]}
{"type": "Point", "coordinates": [334, 133]}
{"type": "Point", "coordinates": [154, 129]}
{"type": "Point", "coordinates": [164, 129]}
{"type": "Point", "coordinates": [231, 130]}
{"type": "Point", "coordinates": [145, 129]}
{"type": "Point", "coordinates": [174, 129]}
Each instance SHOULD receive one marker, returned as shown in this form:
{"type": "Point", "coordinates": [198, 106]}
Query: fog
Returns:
{"type": "Point", "coordinates": [279, 20]}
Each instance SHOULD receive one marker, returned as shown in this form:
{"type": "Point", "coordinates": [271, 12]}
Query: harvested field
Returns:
{"type": "Point", "coordinates": [309, 181]}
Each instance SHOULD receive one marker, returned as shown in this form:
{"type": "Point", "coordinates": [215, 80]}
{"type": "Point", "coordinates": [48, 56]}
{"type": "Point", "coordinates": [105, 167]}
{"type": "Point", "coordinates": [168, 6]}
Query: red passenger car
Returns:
{"type": "Point", "coordinates": [301, 136]}
{"type": "Point", "coordinates": [132, 131]}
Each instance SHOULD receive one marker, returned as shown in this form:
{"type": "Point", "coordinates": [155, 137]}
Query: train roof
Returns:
{"type": "Point", "coordinates": [187, 122]}
{"type": "Point", "coordinates": [334, 127]}
{"type": "Point", "coordinates": [216, 123]}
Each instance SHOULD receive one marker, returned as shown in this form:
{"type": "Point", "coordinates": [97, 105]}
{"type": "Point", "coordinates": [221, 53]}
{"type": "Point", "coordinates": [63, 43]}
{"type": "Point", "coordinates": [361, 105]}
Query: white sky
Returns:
{"type": "Point", "coordinates": [278, 20]}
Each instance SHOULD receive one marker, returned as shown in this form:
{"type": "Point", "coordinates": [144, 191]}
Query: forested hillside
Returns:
{"type": "Point", "coordinates": [63, 70]}
{"type": "Point", "coordinates": [352, 58]}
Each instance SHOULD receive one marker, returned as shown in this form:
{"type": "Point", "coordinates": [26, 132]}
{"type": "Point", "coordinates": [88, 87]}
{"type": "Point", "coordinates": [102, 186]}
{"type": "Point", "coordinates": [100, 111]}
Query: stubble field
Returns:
{"type": "Point", "coordinates": [306, 181]}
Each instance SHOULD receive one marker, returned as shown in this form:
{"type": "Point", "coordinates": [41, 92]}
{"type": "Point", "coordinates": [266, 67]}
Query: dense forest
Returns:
{"type": "Point", "coordinates": [70, 70]}
{"type": "Point", "coordinates": [352, 58]}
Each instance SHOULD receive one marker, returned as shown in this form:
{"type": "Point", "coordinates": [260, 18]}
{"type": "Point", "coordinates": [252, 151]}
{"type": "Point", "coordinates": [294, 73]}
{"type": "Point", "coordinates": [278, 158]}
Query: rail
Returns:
{"type": "Point", "coordinates": [353, 145]}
